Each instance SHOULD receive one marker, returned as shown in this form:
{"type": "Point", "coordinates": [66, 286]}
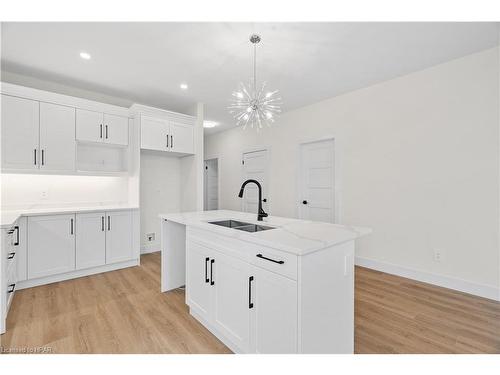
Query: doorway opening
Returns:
{"type": "Point", "coordinates": [211, 185]}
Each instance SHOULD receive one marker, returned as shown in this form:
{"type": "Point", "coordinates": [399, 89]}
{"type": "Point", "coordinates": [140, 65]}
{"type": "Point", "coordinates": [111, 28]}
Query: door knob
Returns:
{"type": "Point", "coordinates": [304, 202]}
{"type": "Point", "coordinates": [264, 200]}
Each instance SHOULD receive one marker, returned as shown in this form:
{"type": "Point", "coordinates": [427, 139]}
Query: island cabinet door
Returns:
{"type": "Point", "coordinates": [232, 305]}
{"type": "Point", "coordinates": [273, 320]}
{"type": "Point", "coordinates": [200, 276]}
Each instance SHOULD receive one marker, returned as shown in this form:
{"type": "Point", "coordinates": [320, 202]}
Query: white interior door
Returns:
{"type": "Point", "coordinates": [57, 137]}
{"type": "Point", "coordinates": [20, 133]}
{"type": "Point", "coordinates": [316, 200]}
{"type": "Point", "coordinates": [255, 166]}
{"type": "Point", "coordinates": [211, 183]}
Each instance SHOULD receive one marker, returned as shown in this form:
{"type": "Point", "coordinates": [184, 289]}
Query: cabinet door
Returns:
{"type": "Point", "coordinates": [198, 288]}
{"type": "Point", "coordinates": [89, 126]}
{"type": "Point", "coordinates": [115, 129]}
{"type": "Point", "coordinates": [118, 237]}
{"type": "Point", "coordinates": [20, 133]}
{"type": "Point", "coordinates": [57, 137]}
{"type": "Point", "coordinates": [20, 246]}
{"type": "Point", "coordinates": [274, 313]}
{"type": "Point", "coordinates": [231, 304]}
{"type": "Point", "coordinates": [182, 138]}
{"type": "Point", "coordinates": [155, 134]}
{"type": "Point", "coordinates": [90, 240]}
{"type": "Point", "coordinates": [51, 245]}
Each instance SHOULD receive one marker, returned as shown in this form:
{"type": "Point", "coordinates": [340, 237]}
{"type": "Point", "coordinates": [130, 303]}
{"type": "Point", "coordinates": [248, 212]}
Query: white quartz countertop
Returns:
{"type": "Point", "coordinates": [291, 235]}
{"type": "Point", "coordinates": [10, 214]}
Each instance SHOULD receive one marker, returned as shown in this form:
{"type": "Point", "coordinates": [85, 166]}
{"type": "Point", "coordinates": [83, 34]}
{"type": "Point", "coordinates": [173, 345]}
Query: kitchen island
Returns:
{"type": "Point", "coordinates": [275, 286]}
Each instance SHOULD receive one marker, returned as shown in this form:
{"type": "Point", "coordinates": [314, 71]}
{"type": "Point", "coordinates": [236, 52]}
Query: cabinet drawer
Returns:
{"type": "Point", "coordinates": [274, 260]}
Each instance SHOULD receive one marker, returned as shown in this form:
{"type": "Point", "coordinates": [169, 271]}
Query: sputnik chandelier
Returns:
{"type": "Point", "coordinates": [252, 105]}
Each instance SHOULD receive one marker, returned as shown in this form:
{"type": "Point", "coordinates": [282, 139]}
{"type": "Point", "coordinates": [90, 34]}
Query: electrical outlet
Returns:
{"type": "Point", "coordinates": [150, 237]}
{"type": "Point", "coordinates": [438, 255]}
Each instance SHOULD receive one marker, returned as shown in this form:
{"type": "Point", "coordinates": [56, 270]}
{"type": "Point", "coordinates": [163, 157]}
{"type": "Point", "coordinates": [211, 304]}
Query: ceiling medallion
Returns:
{"type": "Point", "coordinates": [252, 105]}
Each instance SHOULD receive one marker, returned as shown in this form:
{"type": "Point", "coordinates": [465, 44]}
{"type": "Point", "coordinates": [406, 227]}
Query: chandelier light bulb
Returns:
{"type": "Point", "coordinates": [252, 104]}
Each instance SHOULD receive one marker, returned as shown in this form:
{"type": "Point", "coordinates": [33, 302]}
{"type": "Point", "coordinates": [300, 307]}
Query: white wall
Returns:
{"type": "Point", "coordinates": [417, 161]}
{"type": "Point", "coordinates": [160, 192]}
{"type": "Point", "coordinates": [22, 190]}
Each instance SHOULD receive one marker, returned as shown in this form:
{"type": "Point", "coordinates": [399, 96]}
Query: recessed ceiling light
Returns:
{"type": "Point", "coordinates": [210, 124]}
{"type": "Point", "coordinates": [85, 55]}
{"type": "Point", "coordinates": [184, 86]}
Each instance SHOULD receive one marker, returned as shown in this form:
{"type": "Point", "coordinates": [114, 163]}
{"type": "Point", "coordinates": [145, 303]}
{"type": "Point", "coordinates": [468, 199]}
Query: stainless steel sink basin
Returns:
{"type": "Point", "coordinates": [241, 225]}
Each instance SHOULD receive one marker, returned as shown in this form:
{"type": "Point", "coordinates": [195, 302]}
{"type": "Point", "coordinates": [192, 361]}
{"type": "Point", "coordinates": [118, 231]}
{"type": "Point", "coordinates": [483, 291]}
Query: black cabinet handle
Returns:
{"type": "Point", "coordinates": [167, 140]}
{"type": "Point", "coordinates": [304, 202]}
{"type": "Point", "coordinates": [100, 136]}
{"type": "Point", "coordinates": [109, 223]}
{"type": "Point", "coordinates": [16, 228]}
{"type": "Point", "coordinates": [250, 303]}
{"type": "Point", "coordinates": [171, 141]}
{"type": "Point", "coordinates": [11, 255]}
{"type": "Point", "coordinates": [102, 223]}
{"type": "Point", "coordinates": [71, 226]}
{"type": "Point", "coordinates": [206, 269]}
{"type": "Point", "coordinates": [106, 131]}
{"type": "Point", "coordinates": [11, 288]}
{"type": "Point", "coordinates": [269, 259]}
{"type": "Point", "coordinates": [43, 156]}
{"type": "Point", "coordinates": [211, 271]}
{"type": "Point", "coordinates": [35, 155]}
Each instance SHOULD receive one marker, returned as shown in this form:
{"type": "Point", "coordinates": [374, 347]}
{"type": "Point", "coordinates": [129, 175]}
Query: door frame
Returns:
{"type": "Point", "coordinates": [218, 182]}
{"type": "Point", "coordinates": [268, 175]}
{"type": "Point", "coordinates": [335, 177]}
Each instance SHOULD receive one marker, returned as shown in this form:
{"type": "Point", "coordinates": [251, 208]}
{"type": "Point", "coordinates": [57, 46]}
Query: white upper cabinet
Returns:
{"type": "Point", "coordinates": [89, 125]}
{"type": "Point", "coordinates": [101, 127]}
{"type": "Point", "coordinates": [181, 138]}
{"type": "Point", "coordinates": [57, 137]}
{"type": "Point", "coordinates": [165, 135]}
{"type": "Point", "coordinates": [115, 129]}
{"type": "Point", "coordinates": [154, 134]}
{"type": "Point", "coordinates": [20, 133]}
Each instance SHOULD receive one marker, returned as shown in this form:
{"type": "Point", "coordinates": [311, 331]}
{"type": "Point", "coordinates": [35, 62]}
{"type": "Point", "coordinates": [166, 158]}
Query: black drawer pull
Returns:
{"type": "Point", "coordinates": [269, 259]}
{"type": "Point", "coordinates": [11, 288]}
{"type": "Point", "coordinates": [212, 282]}
{"type": "Point", "coordinates": [206, 270]}
{"type": "Point", "coordinates": [16, 228]}
{"type": "Point", "coordinates": [11, 255]}
{"type": "Point", "coordinates": [250, 303]}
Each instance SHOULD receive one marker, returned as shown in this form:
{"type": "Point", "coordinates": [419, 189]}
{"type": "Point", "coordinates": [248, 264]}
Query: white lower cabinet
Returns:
{"type": "Point", "coordinates": [231, 303]}
{"type": "Point", "coordinates": [90, 240]}
{"type": "Point", "coordinates": [252, 309]}
{"type": "Point", "coordinates": [51, 245]}
{"type": "Point", "coordinates": [274, 319]}
{"type": "Point", "coordinates": [118, 236]}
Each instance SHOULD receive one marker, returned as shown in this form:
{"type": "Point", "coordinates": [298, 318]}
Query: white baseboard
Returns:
{"type": "Point", "coordinates": [75, 274]}
{"type": "Point", "coordinates": [150, 248]}
{"type": "Point", "coordinates": [480, 290]}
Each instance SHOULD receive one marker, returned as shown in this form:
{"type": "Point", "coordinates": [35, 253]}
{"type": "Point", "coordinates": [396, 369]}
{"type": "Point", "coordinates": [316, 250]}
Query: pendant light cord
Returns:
{"type": "Point", "coordinates": [255, 69]}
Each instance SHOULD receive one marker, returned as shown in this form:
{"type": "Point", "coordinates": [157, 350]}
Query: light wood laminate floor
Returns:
{"type": "Point", "coordinates": [124, 312]}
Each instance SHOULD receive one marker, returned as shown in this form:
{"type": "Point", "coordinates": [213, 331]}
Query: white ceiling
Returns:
{"type": "Point", "coordinates": [307, 62]}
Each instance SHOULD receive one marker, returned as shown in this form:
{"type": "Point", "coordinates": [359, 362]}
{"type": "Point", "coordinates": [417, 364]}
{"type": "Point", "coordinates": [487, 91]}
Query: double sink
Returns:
{"type": "Point", "coordinates": [241, 225]}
